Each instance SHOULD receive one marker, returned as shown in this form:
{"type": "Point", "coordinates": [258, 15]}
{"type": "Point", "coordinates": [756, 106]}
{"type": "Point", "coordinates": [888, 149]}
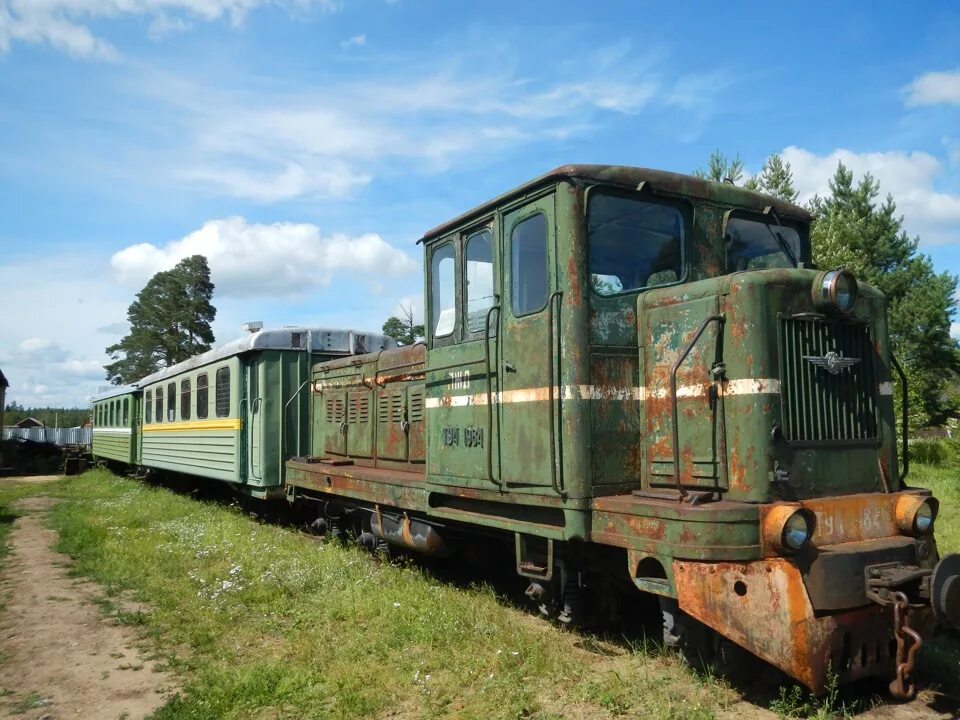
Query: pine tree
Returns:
{"type": "Point", "coordinates": [403, 329]}
{"type": "Point", "coordinates": [775, 178]}
{"type": "Point", "coordinates": [720, 169]}
{"type": "Point", "coordinates": [169, 322]}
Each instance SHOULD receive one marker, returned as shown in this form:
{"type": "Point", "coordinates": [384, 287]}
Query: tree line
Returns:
{"type": "Point", "coordinates": [49, 416]}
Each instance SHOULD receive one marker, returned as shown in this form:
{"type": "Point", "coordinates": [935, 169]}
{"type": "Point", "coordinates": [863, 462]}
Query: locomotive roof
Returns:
{"type": "Point", "coordinates": [114, 392]}
{"type": "Point", "coordinates": [322, 340]}
{"type": "Point", "coordinates": [630, 177]}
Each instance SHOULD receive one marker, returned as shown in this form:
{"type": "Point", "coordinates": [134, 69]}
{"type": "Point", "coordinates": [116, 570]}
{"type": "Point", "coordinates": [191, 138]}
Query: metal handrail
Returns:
{"type": "Point", "coordinates": [905, 409]}
{"type": "Point", "coordinates": [486, 364]}
{"type": "Point", "coordinates": [673, 397]}
{"type": "Point", "coordinates": [555, 481]}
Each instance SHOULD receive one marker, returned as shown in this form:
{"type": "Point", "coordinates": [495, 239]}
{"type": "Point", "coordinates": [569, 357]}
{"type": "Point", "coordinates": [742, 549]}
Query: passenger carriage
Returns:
{"type": "Point", "coordinates": [234, 413]}
{"type": "Point", "coordinates": [116, 425]}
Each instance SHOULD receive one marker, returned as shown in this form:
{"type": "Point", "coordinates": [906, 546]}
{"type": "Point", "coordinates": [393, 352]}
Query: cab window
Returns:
{"type": "Point", "coordinates": [479, 279]}
{"type": "Point", "coordinates": [126, 411]}
{"type": "Point", "coordinates": [753, 244]}
{"type": "Point", "coordinates": [633, 243]}
{"type": "Point", "coordinates": [159, 405]}
{"type": "Point", "coordinates": [443, 291]}
{"type": "Point", "coordinates": [528, 281]}
{"type": "Point", "coordinates": [148, 408]}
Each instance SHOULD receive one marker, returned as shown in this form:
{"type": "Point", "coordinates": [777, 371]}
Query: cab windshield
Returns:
{"type": "Point", "coordinates": [758, 245]}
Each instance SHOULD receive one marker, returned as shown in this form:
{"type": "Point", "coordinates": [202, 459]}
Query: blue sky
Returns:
{"type": "Point", "coordinates": [305, 145]}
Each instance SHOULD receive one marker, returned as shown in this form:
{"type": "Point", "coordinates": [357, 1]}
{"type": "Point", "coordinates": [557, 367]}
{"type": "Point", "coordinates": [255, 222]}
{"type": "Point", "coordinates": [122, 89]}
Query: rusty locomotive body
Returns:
{"type": "Point", "coordinates": [635, 375]}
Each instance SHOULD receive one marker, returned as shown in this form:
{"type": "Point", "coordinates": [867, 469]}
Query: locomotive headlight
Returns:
{"type": "Point", "coordinates": [796, 531]}
{"type": "Point", "coordinates": [915, 514]}
{"type": "Point", "coordinates": [788, 528]}
{"type": "Point", "coordinates": [836, 290]}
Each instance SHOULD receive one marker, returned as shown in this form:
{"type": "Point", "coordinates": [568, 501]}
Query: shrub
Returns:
{"type": "Point", "coordinates": [931, 452]}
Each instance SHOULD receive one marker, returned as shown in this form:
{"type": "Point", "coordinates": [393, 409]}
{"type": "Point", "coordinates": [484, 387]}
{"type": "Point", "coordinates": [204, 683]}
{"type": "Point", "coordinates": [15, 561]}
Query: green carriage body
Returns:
{"type": "Point", "coordinates": [666, 397]}
{"type": "Point", "coordinates": [115, 433]}
{"type": "Point", "coordinates": [236, 412]}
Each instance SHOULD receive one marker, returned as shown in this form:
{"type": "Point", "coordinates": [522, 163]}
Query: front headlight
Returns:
{"type": "Point", "coordinates": [788, 528]}
{"type": "Point", "coordinates": [836, 290]}
{"type": "Point", "coordinates": [796, 531]}
{"type": "Point", "coordinates": [916, 514]}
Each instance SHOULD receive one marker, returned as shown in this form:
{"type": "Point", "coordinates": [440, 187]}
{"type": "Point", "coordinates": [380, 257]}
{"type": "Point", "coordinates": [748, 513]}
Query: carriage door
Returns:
{"type": "Point", "coordinates": [525, 349]}
{"type": "Point", "coordinates": [255, 419]}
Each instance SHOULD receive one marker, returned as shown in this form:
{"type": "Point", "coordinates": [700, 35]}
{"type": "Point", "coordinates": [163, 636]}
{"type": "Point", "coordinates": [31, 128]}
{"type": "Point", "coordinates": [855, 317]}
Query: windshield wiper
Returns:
{"type": "Point", "coordinates": [784, 245]}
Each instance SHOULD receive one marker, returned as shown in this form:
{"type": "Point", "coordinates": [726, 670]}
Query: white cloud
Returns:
{"type": "Point", "coordinates": [909, 177]}
{"type": "Point", "coordinates": [251, 259]}
{"type": "Point", "coordinates": [955, 331]}
{"type": "Point", "coordinates": [355, 41]}
{"type": "Point", "coordinates": [934, 88]}
{"type": "Point", "coordinates": [61, 23]}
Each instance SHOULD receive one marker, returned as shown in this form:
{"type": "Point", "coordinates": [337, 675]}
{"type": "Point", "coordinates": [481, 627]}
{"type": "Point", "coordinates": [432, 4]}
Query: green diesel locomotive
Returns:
{"type": "Point", "coordinates": [635, 378]}
{"type": "Point", "coordinates": [640, 375]}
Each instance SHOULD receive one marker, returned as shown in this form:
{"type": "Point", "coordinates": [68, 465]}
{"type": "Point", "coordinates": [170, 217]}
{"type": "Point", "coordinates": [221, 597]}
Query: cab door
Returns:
{"type": "Point", "coordinates": [528, 401]}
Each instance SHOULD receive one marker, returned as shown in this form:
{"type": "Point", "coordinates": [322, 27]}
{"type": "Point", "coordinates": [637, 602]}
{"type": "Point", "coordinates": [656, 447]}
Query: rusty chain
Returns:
{"type": "Point", "coordinates": [902, 685]}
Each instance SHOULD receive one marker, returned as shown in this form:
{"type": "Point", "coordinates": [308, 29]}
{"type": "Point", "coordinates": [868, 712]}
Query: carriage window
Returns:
{"type": "Point", "coordinates": [528, 284]}
{"type": "Point", "coordinates": [112, 414]}
{"type": "Point", "coordinates": [203, 399]}
{"type": "Point", "coordinates": [159, 406]}
{"type": "Point", "coordinates": [148, 408]}
{"type": "Point", "coordinates": [171, 402]}
{"type": "Point", "coordinates": [479, 277]}
{"type": "Point", "coordinates": [126, 411]}
{"type": "Point", "coordinates": [443, 288]}
{"type": "Point", "coordinates": [223, 392]}
{"type": "Point", "coordinates": [633, 244]}
{"type": "Point", "coordinates": [185, 399]}
{"type": "Point", "coordinates": [756, 245]}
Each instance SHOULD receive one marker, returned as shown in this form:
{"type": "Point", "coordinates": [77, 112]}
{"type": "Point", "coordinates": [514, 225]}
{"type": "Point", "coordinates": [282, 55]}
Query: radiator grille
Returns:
{"type": "Point", "coordinates": [819, 405]}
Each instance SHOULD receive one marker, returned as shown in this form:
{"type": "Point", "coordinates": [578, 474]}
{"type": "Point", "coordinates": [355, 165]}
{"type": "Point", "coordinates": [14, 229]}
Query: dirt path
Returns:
{"type": "Point", "coordinates": [60, 657]}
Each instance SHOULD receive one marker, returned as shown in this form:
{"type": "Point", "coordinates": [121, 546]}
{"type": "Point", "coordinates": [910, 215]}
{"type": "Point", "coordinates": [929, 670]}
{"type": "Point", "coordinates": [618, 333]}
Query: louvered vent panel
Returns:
{"type": "Point", "coordinates": [416, 406]}
{"type": "Point", "coordinates": [820, 405]}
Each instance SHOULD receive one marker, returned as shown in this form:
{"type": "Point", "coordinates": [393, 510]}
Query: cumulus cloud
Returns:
{"type": "Point", "coordinates": [252, 259]}
{"type": "Point", "coordinates": [934, 88]}
{"type": "Point", "coordinates": [909, 177]}
{"type": "Point", "coordinates": [61, 23]}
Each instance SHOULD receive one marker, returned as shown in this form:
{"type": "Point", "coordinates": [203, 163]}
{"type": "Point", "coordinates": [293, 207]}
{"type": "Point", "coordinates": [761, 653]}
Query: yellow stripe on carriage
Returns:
{"type": "Point", "coordinates": [222, 424]}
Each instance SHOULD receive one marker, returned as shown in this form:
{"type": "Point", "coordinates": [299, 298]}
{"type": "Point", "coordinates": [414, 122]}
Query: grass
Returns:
{"type": "Point", "coordinates": [261, 622]}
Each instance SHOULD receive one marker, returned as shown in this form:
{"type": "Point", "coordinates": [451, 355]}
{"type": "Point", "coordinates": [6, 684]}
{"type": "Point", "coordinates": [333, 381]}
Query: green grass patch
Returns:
{"type": "Point", "coordinates": [262, 622]}
{"type": "Point", "coordinates": [945, 484]}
